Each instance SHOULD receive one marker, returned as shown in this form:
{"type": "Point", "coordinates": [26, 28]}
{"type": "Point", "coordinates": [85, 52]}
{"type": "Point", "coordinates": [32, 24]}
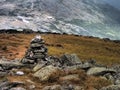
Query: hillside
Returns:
{"type": "Point", "coordinates": [104, 51]}
{"type": "Point", "coordinates": [97, 68]}
{"type": "Point", "coordinates": [81, 17]}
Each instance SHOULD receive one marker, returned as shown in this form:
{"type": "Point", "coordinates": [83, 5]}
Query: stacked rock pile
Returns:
{"type": "Point", "coordinates": [36, 52]}
{"type": "Point", "coordinates": [67, 69]}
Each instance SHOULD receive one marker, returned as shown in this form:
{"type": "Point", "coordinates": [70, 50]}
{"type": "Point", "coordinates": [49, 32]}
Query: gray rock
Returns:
{"type": "Point", "coordinates": [86, 66]}
{"type": "Point", "coordinates": [38, 67]}
{"type": "Point", "coordinates": [54, 61]}
{"type": "Point", "coordinates": [117, 74]}
{"type": "Point", "coordinates": [47, 73]}
{"type": "Point", "coordinates": [18, 88]}
{"type": "Point", "coordinates": [36, 45]}
{"type": "Point", "coordinates": [3, 73]}
{"type": "Point", "coordinates": [40, 51]}
{"type": "Point", "coordinates": [99, 71]}
{"type": "Point", "coordinates": [1, 68]}
{"type": "Point", "coordinates": [109, 76]}
{"type": "Point", "coordinates": [7, 65]}
{"type": "Point", "coordinates": [39, 55]}
{"type": "Point", "coordinates": [117, 82]}
{"type": "Point", "coordinates": [37, 39]}
{"type": "Point", "coordinates": [27, 61]}
{"type": "Point", "coordinates": [6, 85]}
{"type": "Point", "coordinates": [111, 87]}
{"type": "Point", "coordinates": [70, 59]}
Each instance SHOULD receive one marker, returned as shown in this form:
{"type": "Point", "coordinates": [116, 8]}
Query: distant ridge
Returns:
{"type": "Point", "coordinates": [79, 17]}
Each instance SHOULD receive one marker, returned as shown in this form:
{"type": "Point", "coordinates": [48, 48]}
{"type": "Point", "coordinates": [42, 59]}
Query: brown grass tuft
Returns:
{"type": "Point", "coordinates": [96, 82]}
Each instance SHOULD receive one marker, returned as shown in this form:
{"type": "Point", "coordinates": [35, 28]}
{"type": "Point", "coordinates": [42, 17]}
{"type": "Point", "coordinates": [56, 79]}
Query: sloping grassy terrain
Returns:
{"type": "Point", "coordinates": [106, 52]}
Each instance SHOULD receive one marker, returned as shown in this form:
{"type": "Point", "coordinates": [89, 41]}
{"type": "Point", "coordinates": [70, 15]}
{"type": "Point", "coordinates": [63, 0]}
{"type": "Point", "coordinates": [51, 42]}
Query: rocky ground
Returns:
{"type": "Point", "coordinates": [38, 70]}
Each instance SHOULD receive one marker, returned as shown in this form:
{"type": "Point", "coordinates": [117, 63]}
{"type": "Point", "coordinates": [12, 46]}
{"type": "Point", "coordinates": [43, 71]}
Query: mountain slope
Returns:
{"type": "Point", "coordinates": [82, 17]}
{"type": "Point", "coordinates": [103, 51]}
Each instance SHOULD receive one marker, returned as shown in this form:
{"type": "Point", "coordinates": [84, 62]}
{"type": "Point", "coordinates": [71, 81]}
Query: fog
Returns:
{"type": "Point", "coordinates": [115, 3]}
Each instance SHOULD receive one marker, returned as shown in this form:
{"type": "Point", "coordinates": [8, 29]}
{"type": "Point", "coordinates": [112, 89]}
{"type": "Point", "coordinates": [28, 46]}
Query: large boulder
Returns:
{"type": "Point", "coordinates": [70, 59]}
{"type": "Point", "coordinates": [48, 73]}
{"type": "Point", "coordinates": [52, 60]}
{"type": "Point", "coordinates": [99, 71]}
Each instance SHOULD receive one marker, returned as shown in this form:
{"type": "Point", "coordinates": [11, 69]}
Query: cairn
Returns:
{"type": "Point", "coordinates": [36, 52]}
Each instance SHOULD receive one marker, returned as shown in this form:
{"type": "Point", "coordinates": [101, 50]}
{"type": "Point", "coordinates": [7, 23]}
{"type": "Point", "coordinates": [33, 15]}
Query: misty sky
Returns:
{"type": "Point", "coordinates": [115, 3]}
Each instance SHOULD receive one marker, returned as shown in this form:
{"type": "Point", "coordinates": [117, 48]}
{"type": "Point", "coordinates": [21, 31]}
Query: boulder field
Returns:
{"type": "Point", "coordinates": [65, 70]}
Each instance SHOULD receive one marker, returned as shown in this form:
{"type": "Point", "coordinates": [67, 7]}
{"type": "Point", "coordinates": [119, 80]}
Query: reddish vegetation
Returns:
{"type": "Point", "coordinates": [107, 52]}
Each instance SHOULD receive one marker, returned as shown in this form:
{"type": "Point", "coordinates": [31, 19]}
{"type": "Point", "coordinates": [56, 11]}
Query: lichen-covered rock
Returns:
{"type": "Point", "coordinates": [70, 59]}
{"type": "Point", "coordinates": [38, 67]}
{"type": "Point", "coordinates": [48, 73]}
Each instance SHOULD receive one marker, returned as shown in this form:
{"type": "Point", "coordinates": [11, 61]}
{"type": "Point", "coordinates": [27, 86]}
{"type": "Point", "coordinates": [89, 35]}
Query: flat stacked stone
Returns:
{"type": "Point", "coordinates": [36, 52]}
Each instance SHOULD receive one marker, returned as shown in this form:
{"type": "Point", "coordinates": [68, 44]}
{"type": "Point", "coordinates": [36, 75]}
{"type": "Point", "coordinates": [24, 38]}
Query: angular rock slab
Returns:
{"type": "Point", "coordinates": [70, 59]}
{"type": "Point", "coordinates": [47, 73]}
{"type": "Point", "coordinates": [38, 67]}
{"type": "Point", "coordinates": [99, 71]}
{"type": "Point", "coordinates": [7, 65]}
